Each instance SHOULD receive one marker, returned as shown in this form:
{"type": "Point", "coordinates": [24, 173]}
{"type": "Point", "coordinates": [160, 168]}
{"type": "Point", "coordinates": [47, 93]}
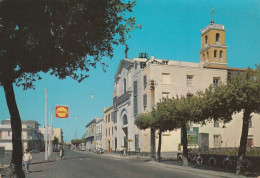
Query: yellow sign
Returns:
{"type": "Point", "coordinates": [129, 140]}
{"type": "Point", "coordinates": [62, 112]}
{"type": "Point", "coordinates": [95, 143]}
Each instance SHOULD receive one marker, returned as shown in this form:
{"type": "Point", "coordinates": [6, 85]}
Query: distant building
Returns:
{"type": "Point", "coordinates": [99, 138]}
{"type": "Point", "coordinates": [90, 135]}
{"type": "Point", "coordinates": [109, 138]}
{"type": "Point", "coordinates": [56, 132]}
{"type": "Point", "coordinates": [31, 135]}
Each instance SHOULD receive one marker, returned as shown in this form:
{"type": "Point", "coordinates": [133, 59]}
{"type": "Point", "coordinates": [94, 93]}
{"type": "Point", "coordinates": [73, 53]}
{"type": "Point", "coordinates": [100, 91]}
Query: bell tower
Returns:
{"type": "Point", "coordinates": [213, 51]}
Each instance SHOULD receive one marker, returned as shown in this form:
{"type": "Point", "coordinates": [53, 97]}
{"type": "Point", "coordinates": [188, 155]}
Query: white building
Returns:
{"type": "Point", "coordinates": [99, 133]}
{"type": "Point", "coordinates": [31, 136]}
{"type": "Point", "coordinates": [141, 82]}
{"type": "Point", "coordinates": [90, 135]}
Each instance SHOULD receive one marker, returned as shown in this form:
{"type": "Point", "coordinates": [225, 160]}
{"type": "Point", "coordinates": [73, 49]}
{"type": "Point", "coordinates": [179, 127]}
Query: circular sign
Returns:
{"type": "Point", "coordinates": [62, 112]}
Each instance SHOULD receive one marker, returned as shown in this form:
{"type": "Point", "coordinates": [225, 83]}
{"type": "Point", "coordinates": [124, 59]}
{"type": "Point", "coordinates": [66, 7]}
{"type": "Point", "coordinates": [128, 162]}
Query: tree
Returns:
{"type": "Point", "coordinates": [65, 38]}
{"type": "Point", "coordinates": [145, 121]}
{"type": "Point", "coordinates": [240, 94]}
{"type": "Point", "coordinates": [55, 141]}
{"type": "Point", "coordinates": [162, 120]}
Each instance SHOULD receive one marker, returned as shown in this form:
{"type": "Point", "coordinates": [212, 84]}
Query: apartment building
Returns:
{"type": "Point", "coordinates": [31, 135]}
{"type": "Point", "coordinates": [110, 141]}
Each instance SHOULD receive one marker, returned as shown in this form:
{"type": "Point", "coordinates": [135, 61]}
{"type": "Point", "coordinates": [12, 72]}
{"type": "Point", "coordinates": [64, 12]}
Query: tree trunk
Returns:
{"type": "Point", "coordinates": [17, 154]}
{"type": "Point", "coordinates": [185, 145]}
{"type": "Point", "coordinates": [152, 144]}
{"type": "Point", "coordinates": [241, 164]}
{"type": "Point", "coordinates": [159, 146]}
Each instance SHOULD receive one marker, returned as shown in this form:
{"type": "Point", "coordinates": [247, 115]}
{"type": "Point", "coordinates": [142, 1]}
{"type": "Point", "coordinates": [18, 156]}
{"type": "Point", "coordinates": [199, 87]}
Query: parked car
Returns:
{"type": "Point", "coordinates": [34, 151]}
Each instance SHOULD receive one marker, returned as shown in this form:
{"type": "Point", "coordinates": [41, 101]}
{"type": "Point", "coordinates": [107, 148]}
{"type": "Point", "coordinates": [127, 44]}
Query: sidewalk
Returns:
{"type": "Point", "coordinates": [174, 164]}
{"type": "Point", "coordinates": [37, 158]}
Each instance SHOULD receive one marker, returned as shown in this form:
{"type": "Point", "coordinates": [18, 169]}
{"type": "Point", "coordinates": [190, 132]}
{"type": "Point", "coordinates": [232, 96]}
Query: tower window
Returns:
{"type": "Point", "coordinates": [206, 39]}
{"type": "Point", "coordinates": [221, 55]}
{"type": "Point", "coordinates": [215, 55]}
{"type": "Point", "coordinates": [217, 38]}
{"type": "Point", "coordinates": [203, 56]}
{"type": "Point", "coordinates": [207, 56]}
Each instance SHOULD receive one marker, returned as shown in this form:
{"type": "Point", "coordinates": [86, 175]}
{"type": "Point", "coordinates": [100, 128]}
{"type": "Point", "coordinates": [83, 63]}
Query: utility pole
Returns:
{"type": "Point", "coordinates": [46, 127]}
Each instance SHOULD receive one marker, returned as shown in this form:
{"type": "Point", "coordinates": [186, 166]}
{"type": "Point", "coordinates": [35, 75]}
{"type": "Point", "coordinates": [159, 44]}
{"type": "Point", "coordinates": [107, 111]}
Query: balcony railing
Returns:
{"type": "Point", "coordinates": [215, 26]}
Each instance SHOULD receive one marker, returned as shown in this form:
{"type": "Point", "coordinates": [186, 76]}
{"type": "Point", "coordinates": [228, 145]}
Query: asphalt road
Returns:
{"type": "Point", "coordinates": [84, 164]}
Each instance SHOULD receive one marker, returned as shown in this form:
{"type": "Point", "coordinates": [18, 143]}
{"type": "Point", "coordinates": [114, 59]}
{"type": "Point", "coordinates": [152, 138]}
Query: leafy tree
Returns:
{"type": "Point", "coordinates": [55, 141]}
{"type": "Point", "coordinates": [240, 94]}
{"type": "Point", "coordinates": [162, 120]}
{"type": "Point", "coordinates": [65, 38]}
{"type": "Point", "coordinates": [145, 121]}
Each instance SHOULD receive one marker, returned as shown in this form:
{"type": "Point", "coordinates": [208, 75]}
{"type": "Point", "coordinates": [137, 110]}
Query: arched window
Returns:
{"type": "Point", "coordinates": [124, 85]}
{"type": "Point", "coordinates": [125, 120]}
{"type": "Point", "coordinates": [217, 38]}
{"type": "Point", "coordinates": [207, 55]}
{"type": "Point", "coordinates": [215, 54]}
{"type": "Point", "coordinates": [206, 39]}
{"type": "Point", "coordinates": [221, 55]}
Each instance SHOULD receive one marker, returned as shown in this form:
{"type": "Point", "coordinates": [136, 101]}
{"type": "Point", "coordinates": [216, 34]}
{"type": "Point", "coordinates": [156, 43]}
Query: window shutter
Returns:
{"type": "Point", "coordinates": [135, 106]}
{"type": "Point", "coordinates": [135, 88]}
{"type": "Point", "coordinates": [145, 100]}
{"type": "Point", "coordinates": [145, 81]}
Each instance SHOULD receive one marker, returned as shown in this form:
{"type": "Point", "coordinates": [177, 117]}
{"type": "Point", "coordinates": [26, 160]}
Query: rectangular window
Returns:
{"type": "Point", "coordinates": [250, 123]}
{"type": "Point", "coordinates": [145, 81]}
{"type": "Point", "coordinates": [189, 80]}
{"type": "Point", "coordinates": [135, 106]}
{"type": "Point", "coordinates": [249, 141]}
{"type": "Point", "coordinates": [109, 131]}
{"type": "Point", "coordinates": [112, 130]}
{"type": "Point", "coordinates": [145, 100]}
{"type": "Point", "coordinates": [217, 141]}
{"type": "Point", "coordinates": [112, 116]}
{"type": "Point", "coordinates": [135, 88]}
{"type": "Point", "coordinates": [165, 94]}
{"type": "Point", "coordinates": [108, 118]}
{"type": "Point", "coordinates": [216, 124]}
{"type": "Point", "coordinates": [115, 117]}
{"type": "Point", "coordinates": [9, 133]}
{"type": "Point", "coordinates": [106, 132]}
{"type": "Point", "coordinates": [166, 79]}
{"type": "Point", "coordinates": [216, 82]}
{"type": "Point", "coordinates": [0, 134]}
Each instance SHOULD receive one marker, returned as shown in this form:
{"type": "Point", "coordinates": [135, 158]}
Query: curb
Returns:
{"type": "Point", "coordinates": [190, 169]}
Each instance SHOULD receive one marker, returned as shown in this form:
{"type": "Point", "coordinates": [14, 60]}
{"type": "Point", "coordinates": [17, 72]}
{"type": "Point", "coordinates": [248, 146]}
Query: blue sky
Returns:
{"type": "Point", "coordinates": [171, 30]}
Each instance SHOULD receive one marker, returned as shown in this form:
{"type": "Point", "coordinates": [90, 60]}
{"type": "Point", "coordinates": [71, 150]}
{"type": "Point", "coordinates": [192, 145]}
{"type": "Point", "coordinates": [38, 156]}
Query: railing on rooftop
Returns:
{"type": "Point", "coordinates": [212, 25]}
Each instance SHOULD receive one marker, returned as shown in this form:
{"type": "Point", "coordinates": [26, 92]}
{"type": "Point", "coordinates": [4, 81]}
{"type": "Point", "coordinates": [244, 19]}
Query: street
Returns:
{"type": "Point", "coordinates": [85, 164]}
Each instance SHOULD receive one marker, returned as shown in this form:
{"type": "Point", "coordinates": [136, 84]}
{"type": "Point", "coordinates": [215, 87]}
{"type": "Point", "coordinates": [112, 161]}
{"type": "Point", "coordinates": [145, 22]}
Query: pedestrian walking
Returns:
{"type": "Point", "coordinates": [61, 153]}
{"type": "Point", "coordinates": [121, 151]}
{"type": "Point", "coordinates": [124, 154]}
{"type": "Point", "coordinates": [27, 158]}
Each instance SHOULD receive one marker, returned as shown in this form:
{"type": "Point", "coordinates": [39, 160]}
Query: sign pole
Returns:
{"type": "Point", "coordinates": [46, 127]}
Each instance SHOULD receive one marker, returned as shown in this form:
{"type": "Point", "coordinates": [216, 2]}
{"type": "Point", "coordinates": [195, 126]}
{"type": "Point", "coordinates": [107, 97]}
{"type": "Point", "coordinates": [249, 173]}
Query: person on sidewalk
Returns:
{"type": "Point", "coordinates": [27, 158]}
{"type": "Point", "coordinates": [124, 154]}
{"type": "Point", "coordinates": [121, 151]}
{"type": "Point", "coordinates": [61, 153]}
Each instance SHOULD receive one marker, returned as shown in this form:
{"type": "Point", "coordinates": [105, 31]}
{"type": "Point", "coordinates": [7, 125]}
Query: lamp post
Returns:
{"type": "Point", "coordinates": [46, 127]}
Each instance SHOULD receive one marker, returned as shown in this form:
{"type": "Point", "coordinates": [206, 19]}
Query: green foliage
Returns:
{"type": "Point", "coordinates": [144, 121]}
{"type": "Point", "coordinates": [63, 37]}
{"type": "Point", "coordinates": [78, 141]}
{"type": "Point", "coordinates": [56, 140]}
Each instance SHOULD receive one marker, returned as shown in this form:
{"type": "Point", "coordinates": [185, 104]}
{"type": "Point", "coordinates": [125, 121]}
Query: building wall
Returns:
{"type": "Point", "coordinates": [108, 128]}
{"type": "Point", "coordinates": [31, 136]}
{"type": "Point", "coordinates": [99, 134]}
